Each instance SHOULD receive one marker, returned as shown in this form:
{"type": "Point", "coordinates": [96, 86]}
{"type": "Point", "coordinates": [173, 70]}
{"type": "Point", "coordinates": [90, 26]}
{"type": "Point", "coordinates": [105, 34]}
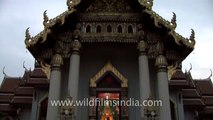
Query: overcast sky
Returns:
{"type": "Point", "coordinates": [17, 15]}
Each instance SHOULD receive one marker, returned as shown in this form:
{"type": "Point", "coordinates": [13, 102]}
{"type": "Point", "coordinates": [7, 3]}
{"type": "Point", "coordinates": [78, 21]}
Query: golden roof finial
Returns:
{"type": "Point", "coordinates": [27, 37]}
{"type": "Point", "coordinates": [192, 36]}
{"type": "Point", "coordinates": [150, 2]}
{"type": "Point", "coordinates": [173, 20]}
{"type": "Point", "coordinates": [191, 39]}
{"type": "Point", "coordinates": [27, 34]}
{"type": "Point", "coordinates": [70, 4]}
{"type": "Point", "coordinates": [46, 19]}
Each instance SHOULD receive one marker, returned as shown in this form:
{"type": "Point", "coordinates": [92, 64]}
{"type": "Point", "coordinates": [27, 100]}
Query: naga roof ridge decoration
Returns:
{"type": "Point", "coordinates": [189, 42]}
{"type": "Point", "coordinates": [49, 23]}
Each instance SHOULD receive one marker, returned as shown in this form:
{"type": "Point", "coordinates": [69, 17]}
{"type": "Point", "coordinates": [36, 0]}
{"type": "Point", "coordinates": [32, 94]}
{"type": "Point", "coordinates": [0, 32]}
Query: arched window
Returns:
{"type": "Point", "coordinates": [88, 29]}
{"type": "Point", "coordinates": [119, 29]}
{"type": "Point", "coordinates": [98, 29]}
{"type": "Point", "coordinates": [130, 29]}
{"type": "Point", "coordinates": [109, 29]}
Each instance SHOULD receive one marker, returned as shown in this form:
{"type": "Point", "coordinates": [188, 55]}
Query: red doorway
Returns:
{"type": "Point", "coordinates": [109, 84]}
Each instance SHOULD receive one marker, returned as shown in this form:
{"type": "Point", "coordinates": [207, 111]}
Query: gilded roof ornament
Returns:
{"type": "Point", "coordinates": [179, 40]}
{"type": "Point", "coordinates": [28, 38]}
{"type": "Point", "coordinates": [47, 24]}
{"type": "Point", "coordinates": [150, 3]}
{"type": "Point", "coordinates": [146, 3]}
{"type": "Point", "coordinates": [72, 3]}
{"type": "Point", "coordinates": [173, 21]}
{"type": "Point", "coordinates": [192, 36]}
{"type": "Point", "coordinates": [191, 39]}
{"type": "Point", "coordinates": [46, 19]}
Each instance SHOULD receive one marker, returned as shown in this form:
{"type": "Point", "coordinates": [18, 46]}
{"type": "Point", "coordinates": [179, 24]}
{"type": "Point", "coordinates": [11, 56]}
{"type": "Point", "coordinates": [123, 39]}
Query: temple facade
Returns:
{"type": "Point", "coordinates": [106, 50]}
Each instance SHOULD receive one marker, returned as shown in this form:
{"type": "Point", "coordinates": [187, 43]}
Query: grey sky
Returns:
{"type": "Point", "coordinates": [16, 16]}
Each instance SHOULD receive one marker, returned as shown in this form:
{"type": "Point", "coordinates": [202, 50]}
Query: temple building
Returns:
{"type": "Point", "coordinates": [111, 50]}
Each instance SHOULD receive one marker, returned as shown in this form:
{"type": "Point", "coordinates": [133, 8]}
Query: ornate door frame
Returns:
{"type": "Point", "coordinates": [123, 90]}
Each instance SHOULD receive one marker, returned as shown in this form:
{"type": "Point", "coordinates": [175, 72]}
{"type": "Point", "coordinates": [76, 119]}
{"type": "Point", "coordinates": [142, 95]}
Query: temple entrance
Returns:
{"type": "Point", "coordinates": [109, 87]}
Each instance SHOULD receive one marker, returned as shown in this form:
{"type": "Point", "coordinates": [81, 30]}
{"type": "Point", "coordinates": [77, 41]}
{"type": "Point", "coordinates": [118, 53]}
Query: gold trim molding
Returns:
{"type": "Point", "coordinates": [108, 68]}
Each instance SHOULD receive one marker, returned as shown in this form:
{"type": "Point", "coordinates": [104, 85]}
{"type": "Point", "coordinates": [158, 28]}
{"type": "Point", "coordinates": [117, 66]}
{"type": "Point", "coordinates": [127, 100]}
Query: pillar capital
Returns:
{"type": "Point", "coordinates": [57, 61]}
{"type": "Point", "coordinates": [76, 45]}
{"type": "Point", "coordinates": [161, 62]}
{"type": "Point", "coordinates": [142, 47]}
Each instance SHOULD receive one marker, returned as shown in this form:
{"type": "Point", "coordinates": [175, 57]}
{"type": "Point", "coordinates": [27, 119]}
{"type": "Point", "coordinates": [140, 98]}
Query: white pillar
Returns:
{"type": "Point", "coordinates": [144, 80]}
{"type": "Point", "coordinates": [73, 82]}
{"type": "Point", "coordinates": [54, 87]}
{"type": "Point", "coordinates": [163, 87]}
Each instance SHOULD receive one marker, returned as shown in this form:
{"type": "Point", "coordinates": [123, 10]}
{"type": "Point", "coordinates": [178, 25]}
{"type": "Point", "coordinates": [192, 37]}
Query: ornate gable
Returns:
{"type": "Point", "coordinates": [109, 21]}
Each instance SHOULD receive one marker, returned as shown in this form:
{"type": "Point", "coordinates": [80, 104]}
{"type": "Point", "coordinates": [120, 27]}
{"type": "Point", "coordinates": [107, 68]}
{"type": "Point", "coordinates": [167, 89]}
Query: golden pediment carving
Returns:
{"type": "Point", "coordinates": [108, 68]}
